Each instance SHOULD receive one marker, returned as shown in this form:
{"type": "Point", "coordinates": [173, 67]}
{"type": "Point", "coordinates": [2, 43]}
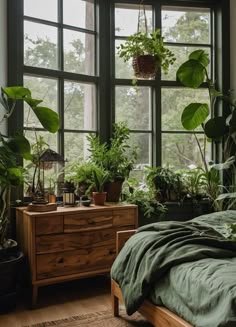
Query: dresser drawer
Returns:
{"type": "Point", "coordinates": [48, 225]}
{"type": "Point", "coordinates": [73, 241]}
{"type": "Point", "coordinates": [124, 217]}
{"type": "Point", "coordinates": [74, 262]}
{"type": "Point", "coordinates": [87, 221]}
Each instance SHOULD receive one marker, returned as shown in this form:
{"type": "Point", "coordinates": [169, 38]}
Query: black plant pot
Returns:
{"type": "Point", "coordinates": [10, 267]}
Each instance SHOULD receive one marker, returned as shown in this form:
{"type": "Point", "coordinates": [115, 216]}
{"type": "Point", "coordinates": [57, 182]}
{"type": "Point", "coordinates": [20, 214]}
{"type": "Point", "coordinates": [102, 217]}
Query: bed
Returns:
{"type": "Point", "coordinates": [178, 274]}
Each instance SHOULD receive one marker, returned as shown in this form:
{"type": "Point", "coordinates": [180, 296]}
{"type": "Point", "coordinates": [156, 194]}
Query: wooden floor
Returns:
{"type": "Point", "coordinates": [60, 301]}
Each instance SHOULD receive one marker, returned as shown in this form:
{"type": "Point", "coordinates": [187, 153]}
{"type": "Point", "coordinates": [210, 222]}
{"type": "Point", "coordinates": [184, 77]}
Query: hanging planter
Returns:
{"type": "Point", "coordinates": [147, 51]}
{"type": "Point", "coordinates": [145, 66]}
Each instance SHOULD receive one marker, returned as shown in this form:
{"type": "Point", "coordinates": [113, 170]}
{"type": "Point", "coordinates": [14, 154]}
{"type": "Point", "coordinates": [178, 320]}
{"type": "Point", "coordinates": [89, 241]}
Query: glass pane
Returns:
{"type": "Point", "coordinates": [76, 147]}
{"type": "Point", "coordinates": [143, 143]}
{"type": "Point", "coordinates": [79, 52]}
{"type": "Point", "coordinates": [80, 106]}
{"type": "Point", "coordinates": [126, 19]}
{"type": "Point", "coordinates": [181, 55]}
{"type": "Point", "coordinates": [40, 45]}
{"type": "Point", "coordinates": [133, 105]}
{"type": "Point", "coordinates": [122, 69]}
{"type": "Point", "coordinates": [173, 103]}
{"type": "Point", "coordinates": [35, 8]}
{"type": "Point", "coordinates": [43, 89]}
{"type": "Point", "coordinates": [190, 25]}
{"type": "Point", "coordinates": [79, 13]}
{"type": "Point", "coordinates": [181, 150]}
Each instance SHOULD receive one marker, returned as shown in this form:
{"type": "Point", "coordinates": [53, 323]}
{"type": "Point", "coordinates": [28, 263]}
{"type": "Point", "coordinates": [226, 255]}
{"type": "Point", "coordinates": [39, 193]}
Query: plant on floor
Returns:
{"type": "Point", "coordinates": [166, 183]}
{"type": "Point", "coordinates": [193, 73]}
{"type": "Point", "coordinates": [16, 147]}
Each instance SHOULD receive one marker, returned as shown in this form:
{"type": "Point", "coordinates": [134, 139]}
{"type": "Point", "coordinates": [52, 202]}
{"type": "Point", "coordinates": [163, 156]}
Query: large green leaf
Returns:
{"type": "Point", "coordinates": [216, 127]}
{"type": "Point", "coordinates": [16, 175]}
{"type": "Point", "coordinates": [48, 118]}
{"type": "Point", "coordinates": [17, 92]}
{"type": "Point", "coordinates": [32, 102]}
{"type": "Point", "coordinates": [201, 56]}
{"type": "Point", "coordinates": [194, 115]}
{"type": "Point", "coordinates": [191, 73]}
{"type": "Point", "coordinates": [19, 144]}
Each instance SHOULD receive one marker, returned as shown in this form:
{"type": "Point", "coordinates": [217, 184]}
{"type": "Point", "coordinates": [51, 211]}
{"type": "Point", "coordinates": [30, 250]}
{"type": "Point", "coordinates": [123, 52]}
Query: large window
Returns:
{"type": "Point", "coordinates": [153, 108]}
{"type": "Point", "coordinates": [68, 57]}
{"type": "Point", "coordinates": [60, 68]}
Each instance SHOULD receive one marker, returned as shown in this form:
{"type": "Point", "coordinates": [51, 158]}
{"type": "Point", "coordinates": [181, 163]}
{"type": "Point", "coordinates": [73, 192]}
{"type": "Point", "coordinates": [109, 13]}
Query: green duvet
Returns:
{"type": "Point", "coordinates": [189, 267]}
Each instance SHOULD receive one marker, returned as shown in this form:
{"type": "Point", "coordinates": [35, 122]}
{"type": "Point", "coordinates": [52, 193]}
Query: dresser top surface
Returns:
{"type": "Point", "coordinates": [74, 209]}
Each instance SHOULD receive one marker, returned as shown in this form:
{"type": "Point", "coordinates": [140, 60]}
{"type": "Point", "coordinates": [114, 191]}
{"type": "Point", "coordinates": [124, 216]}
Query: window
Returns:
{"type": "Point", "coordinates": [60, 68]}
{"type": "Point", "coordinates": [67, 55]}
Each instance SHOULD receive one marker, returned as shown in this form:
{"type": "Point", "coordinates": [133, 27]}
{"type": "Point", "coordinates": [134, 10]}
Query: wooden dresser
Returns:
{"type": "Point", "coordinates": [71, 243]}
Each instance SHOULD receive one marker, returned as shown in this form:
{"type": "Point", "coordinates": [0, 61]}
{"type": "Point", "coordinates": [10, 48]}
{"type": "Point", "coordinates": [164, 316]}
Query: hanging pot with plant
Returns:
{"type": "Point", "coordinates": [147, 51]}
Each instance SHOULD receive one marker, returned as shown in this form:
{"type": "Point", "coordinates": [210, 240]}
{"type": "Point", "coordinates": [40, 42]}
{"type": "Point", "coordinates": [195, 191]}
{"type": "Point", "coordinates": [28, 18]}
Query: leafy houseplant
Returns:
{"type": "Point", "coordinates": [14, 146]}
{"type": "Point", "coordinates": [117, 157]}
{"type": "Point", "coordinates": [167, 184]}
{"type": "Point", "coordinates": [100, 177]}
{"type": "Point", "coordinates": [193, 73]}
{"type": "Point", "coordinates": [150, 209]}
{"type": "Point", "coordinates": [148, 53]}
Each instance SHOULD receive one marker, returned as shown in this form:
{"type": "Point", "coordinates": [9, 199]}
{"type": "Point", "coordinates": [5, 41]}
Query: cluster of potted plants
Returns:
{"type": "Point", "coordinates": [109, 164]}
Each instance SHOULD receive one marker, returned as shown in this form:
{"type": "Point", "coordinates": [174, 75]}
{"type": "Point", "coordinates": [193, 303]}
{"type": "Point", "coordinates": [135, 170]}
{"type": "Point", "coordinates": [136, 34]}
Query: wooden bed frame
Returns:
{"type": "Point", "coordinates": [156, 315]}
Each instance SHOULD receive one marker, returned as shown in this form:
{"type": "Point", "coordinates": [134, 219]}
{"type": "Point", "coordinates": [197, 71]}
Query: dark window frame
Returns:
{"type": "Point", "coordinates": [105, 80]}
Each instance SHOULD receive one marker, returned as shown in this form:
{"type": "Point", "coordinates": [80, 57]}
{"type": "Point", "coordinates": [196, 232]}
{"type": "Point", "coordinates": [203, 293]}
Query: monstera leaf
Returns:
{"type": "Point", "coordinates": [191, 73]}
{"type": "Point", "coordinates": [201, 56]}
{"type": "Point", "coordinates": [216, 127]}
{"type": "Point", "coordinates": [194, 115]}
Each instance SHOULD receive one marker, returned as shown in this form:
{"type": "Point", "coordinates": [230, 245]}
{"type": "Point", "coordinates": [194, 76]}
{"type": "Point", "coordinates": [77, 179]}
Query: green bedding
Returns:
{"type": "Point", "coordinates": [188, 267]}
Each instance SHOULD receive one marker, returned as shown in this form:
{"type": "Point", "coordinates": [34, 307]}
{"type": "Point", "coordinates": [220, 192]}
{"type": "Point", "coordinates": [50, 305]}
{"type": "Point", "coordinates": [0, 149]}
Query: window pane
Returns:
{"type": "Point", "coordinates": [190, 25]}
{"type": "Point", "coordinates": [79, 13]}
{"type": "Point", "coordinates": [80, 106]}
{"type": "Point", "coordinates": [173, 103]}
{"type": "Point", "coordinates": [126, 19]}
{"type": "Point", "coordinates": [181, 150]}
{"type": "Point", "coordinates": [181, 55]}
{"type": "Point", "coordinates": [143, 143]}
{"type": "Point", "coordinates": [122, 69]}
{"type": "Point", "coordinates": [133, 105]}
{"type": "Point", "coordinates": [40, 46]}
{"type": "Point", "coordinates": [79, 52]}
{"type": "Point", "coordinates": [35, 8]}
{"type": "Point", "coordinates": [76, 147]}
{"type": "Point", "coordinates": [43, 89]}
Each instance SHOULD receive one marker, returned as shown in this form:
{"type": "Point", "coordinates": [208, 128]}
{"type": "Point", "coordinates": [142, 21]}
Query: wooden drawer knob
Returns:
{"type": "Point", "coordinates": [60, 260]}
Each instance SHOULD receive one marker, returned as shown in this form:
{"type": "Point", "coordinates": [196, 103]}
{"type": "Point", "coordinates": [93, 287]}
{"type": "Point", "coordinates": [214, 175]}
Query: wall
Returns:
{"type": "Point", "coordinates": [233, 45]}
{"type": "Point", "coordinates": [3, 46]}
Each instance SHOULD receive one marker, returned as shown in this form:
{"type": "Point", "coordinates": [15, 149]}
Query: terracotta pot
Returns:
{"type": "Point", "coordinates": [113, 190]}
{"type": "Point", "coordinates": [52, 198]}
{"type": "Point", "coordinates": [99, 198]}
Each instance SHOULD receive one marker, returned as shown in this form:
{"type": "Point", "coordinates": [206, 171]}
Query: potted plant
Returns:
{"type": "Point", "coordinates": [148, 53]}
{"type": "Point", "coordinates": [117, 157]}
{"type": "Point", "coordinates": [193, 73]}
{"type": "Point", "coordinates": [100, 177]}
{"type": "Point", "coordinates": [150, 210]}
{"type": "Point", "coordinates": [13, 147]}
{"type": "Point", "coordinates": [167, 184]}
{"type": "Point", "coordinates": [82, 176]}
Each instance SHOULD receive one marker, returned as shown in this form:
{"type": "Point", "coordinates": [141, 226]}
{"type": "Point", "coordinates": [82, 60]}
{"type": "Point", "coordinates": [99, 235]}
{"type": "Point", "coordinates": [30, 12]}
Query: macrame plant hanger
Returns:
{"type": "Point", "coordinates": [144, 65]}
